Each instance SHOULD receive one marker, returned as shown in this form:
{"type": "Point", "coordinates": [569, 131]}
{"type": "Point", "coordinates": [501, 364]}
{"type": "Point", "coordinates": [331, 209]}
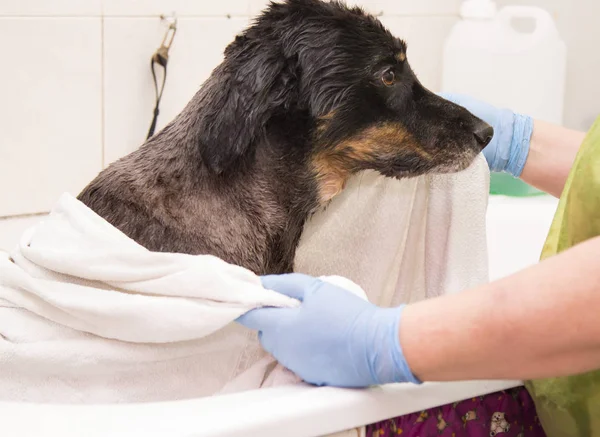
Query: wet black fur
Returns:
{"type": "Point", "coordinates": [232, 175]}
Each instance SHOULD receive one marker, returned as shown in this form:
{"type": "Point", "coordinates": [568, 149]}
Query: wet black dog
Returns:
{"type": "Point", "coordinates": [310, 94]}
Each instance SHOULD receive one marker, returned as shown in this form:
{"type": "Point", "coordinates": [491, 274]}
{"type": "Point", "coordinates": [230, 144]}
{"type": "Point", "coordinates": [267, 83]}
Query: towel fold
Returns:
{"type": "Point", "coordinates": [80, 272]}
{"type": "Point", "coordinates": [88, 315]}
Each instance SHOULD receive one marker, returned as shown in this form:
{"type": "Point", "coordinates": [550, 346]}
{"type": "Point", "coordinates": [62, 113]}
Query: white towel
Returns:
{"type": "Point", "coordinates": [88, 315]}
{"type": "Point", "coordinates": [403, 241]}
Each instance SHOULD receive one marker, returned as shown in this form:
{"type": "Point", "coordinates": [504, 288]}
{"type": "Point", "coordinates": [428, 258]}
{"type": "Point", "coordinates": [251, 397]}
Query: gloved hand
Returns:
{"type": "Point", "coordinates": [509, 148]}
{"type": "Point", "coordinates": [334, 338]}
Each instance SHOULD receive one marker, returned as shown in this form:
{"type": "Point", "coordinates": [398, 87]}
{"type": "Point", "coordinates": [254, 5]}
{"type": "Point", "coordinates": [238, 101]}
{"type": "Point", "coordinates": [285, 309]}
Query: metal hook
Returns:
{"type": "Point", "coordinates": [161, 56]}
{"type": "Point", "coordinates": [171, 30]}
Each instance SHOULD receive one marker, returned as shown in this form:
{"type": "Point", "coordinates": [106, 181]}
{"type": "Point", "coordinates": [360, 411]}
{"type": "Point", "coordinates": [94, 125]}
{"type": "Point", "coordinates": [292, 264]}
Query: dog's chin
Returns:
{"type": "Point", "coordinates": [455, 164]}
{"type": "Point", "coordinates": [458, 164]}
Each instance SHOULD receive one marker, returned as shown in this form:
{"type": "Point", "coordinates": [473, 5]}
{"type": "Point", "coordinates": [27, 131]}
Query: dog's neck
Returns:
{"type": "Point", "coordinates": [269, 193]}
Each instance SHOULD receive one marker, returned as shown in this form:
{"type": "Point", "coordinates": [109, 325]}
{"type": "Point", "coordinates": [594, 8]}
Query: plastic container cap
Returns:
{"type": "Point", "coordinates": [478, 9]}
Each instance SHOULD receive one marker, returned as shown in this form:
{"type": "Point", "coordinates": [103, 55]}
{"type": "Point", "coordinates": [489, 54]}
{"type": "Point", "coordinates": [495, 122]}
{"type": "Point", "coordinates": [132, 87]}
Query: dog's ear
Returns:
{"type": "Point", "coordinates": [243, 93]}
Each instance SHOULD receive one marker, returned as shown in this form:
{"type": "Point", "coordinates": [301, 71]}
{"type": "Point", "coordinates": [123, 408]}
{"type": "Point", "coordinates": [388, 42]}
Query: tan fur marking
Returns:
{"type": "Point", "coordinates": [401, 57]}
{"type": "Point", "coordinates": [324, 120]}
{"type": "Point", "coordinates": [331, 178]}
{"type": "Point", "coordinates": [334, 166]}
{"type": "Point", "coordinates": [327, 116]}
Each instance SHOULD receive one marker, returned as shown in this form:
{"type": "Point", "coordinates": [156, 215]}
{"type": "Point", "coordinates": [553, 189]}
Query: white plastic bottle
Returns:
{"type": "Point", "coordinates": [486, 57]}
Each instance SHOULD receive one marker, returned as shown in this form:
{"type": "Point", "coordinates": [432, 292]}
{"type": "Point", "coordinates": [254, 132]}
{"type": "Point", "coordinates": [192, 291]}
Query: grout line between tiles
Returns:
{"type": "Point", "coordinates": [102, 97]}
{"type": "Point", "coordinates": [183, 17]}
{"type": "Point", "coordinates": [22, 216]}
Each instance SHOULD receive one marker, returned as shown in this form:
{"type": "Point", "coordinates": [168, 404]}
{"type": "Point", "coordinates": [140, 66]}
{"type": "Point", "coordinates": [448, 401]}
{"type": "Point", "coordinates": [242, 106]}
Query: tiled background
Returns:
{"type": "Point", "coordinates": [76, 91]}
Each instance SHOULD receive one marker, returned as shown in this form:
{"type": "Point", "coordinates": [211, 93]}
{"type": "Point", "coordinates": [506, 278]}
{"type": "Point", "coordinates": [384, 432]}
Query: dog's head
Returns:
{"type": "Point", "coordinates": [341, 69]}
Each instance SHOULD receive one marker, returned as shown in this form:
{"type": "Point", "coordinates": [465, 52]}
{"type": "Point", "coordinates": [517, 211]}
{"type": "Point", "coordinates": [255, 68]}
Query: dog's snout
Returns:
{"type": "Point", "coordinates": [483, 134]}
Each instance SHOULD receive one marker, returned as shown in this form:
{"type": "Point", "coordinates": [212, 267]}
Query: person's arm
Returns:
{"type": "Point", "coordinates": [551, 155]}
{"type": "Point", "coordinates": [541, 322]}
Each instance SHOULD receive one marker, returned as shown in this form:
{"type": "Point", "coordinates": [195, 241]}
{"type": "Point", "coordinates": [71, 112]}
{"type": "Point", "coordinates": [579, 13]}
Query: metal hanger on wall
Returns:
{"type": "Point", "coordinates": [161, 58]}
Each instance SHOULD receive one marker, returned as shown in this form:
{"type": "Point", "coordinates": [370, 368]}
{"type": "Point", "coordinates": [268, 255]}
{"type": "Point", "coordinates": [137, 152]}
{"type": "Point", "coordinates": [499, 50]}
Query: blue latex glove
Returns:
{"type": "Point", "coordinates": [334, 338]}
{"type": "Point", "coordinates": [509, 148]}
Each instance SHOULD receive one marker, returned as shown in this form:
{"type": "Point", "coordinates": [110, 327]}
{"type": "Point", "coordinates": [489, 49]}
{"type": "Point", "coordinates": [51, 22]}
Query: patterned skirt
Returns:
{"type": "Point", "coordinates": [509, 413]}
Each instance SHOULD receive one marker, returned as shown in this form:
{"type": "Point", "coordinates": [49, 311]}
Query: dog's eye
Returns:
{"type": "Point", "coordinates": [388, 77]}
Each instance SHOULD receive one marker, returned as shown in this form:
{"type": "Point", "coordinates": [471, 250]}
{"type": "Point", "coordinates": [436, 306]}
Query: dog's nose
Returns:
{"type": "Point", "coordinates": [483, 134]}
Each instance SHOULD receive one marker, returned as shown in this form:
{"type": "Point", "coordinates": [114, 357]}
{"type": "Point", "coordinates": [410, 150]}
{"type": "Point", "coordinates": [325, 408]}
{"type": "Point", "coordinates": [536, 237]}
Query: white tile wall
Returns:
{"type": "Point", "coordinates": [50, 8]}
{"type": "Point", "coordinates": [256, 6]}
{"type": "Point", "coordinates": [128, 87]}
{"type": "Point", "coordinates": [138, 8]}
{"type": "Point", "coordinates": [50, 81]}
{"type": "Point", "coordinates": [391, 7]}
{"type": "Point", "coordinates": [410, 7]}
{"type": "Point", "coordinates": [77, 93]}
{"type": "Point", "coordinates": [424, 37]}
{"type": "Point", "coordinates": [11, 230]}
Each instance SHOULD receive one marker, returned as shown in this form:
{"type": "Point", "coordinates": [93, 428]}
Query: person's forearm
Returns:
{"type": "Point", "coordinates": [551, 155]}
{"type": "Point", "coordinates": [541, 322]}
